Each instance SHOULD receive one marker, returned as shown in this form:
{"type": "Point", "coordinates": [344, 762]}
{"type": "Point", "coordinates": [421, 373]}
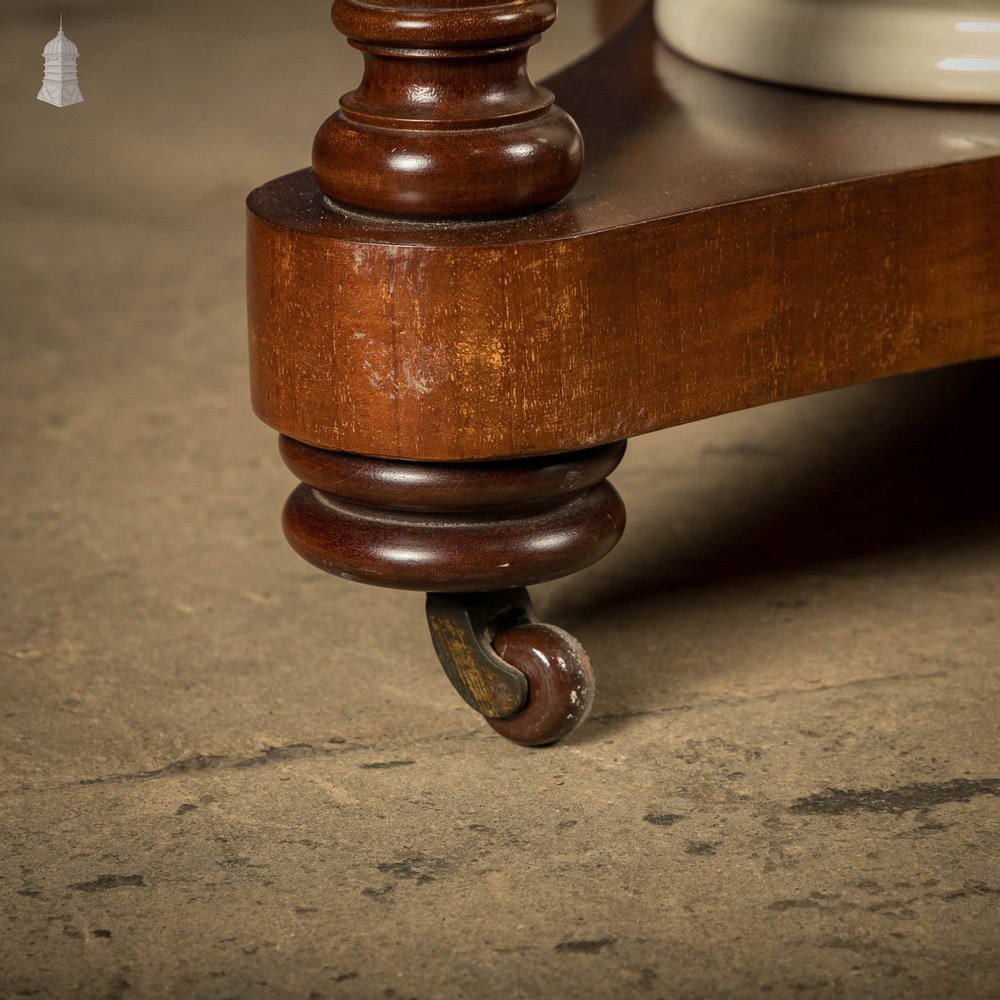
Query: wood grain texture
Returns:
{"type": "Point", "coordinates": [729, 244]}
{"type": "Point", "coordinates": [446, 122]}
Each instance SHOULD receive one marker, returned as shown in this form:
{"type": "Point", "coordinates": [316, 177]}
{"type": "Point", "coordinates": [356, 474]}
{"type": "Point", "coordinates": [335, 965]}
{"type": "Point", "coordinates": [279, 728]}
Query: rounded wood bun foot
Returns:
{"type": "Point", "coordinates": [461, 527]}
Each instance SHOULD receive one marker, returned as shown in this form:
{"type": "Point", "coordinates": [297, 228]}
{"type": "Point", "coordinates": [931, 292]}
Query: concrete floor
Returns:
{"type": "Point", "coordinates": [226, 775]}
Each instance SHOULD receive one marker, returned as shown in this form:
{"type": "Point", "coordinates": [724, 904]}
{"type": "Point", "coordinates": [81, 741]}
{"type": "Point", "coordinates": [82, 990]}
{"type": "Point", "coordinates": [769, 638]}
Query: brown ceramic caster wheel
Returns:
{"type": "Point", "coordinates": [533, 683]}
{"type": "Point", "coordinates": [560, 683]}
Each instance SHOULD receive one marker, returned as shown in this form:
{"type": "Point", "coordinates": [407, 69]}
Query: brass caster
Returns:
{"type": "Point", "coordinates": [532, 682]}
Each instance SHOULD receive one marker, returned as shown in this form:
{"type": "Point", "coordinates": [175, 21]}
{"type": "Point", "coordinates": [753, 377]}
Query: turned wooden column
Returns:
{"type": "Point", "coordinates": [447, 122]}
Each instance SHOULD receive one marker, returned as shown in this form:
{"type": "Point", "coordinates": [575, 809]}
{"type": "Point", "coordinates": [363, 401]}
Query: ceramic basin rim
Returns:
{"type": "Point", "coordinates": [909, 49]}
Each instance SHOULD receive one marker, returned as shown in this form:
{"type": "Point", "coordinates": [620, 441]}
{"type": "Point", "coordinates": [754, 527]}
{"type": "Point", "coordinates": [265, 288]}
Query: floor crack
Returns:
{"type": "Point", "coordinates": [205, 762]}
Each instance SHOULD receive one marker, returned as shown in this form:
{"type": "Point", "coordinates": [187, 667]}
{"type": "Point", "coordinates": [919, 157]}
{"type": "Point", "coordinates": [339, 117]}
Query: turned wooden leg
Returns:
{"type": "Point", "coordinates": [446, 124]}
{"type": "Point", "coordinates": [473, 535]}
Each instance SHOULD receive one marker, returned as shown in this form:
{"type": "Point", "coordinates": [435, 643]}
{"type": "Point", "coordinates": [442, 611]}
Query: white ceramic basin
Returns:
{"type": "Point", "coordinates": [936, 50]}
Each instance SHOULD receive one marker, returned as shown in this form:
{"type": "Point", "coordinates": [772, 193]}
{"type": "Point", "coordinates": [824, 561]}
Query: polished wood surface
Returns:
{"type": "Point", "coordinates": [729, 243]}
{"type": "Point", "coordinates": [462, 527]}
{"type": "Point", "coordinates": [461, 486]}
{"type": "Point", "coordinates": [446, 122]}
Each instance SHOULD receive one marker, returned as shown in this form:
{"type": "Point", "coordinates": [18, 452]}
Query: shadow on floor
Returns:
{"type": "Point", "coordinates": [930, 475]}
{"type": "Point", "coordinates": [924, 475]}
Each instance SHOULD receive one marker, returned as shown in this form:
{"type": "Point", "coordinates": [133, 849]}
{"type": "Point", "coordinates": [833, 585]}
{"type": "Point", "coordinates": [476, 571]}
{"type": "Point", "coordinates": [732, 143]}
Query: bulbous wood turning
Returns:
{"type": "Point", "coordinates": [447, 122]}
{"type": "Point", "coordinates": [461, 527]}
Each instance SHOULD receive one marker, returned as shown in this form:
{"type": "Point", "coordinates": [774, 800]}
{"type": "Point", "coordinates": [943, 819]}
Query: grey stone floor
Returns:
{"type": "Point", "coordinates": [225, 775]}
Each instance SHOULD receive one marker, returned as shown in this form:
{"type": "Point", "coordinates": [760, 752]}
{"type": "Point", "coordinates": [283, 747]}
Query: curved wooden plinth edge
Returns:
{"type": "Point", "coordinates": [460, 527]}
{"type": "Point", "coordinates": [729, 244]}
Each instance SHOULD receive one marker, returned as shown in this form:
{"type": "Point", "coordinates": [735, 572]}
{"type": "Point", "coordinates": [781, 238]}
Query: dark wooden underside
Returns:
{"type": "Point", "coordinates": [730, 244]}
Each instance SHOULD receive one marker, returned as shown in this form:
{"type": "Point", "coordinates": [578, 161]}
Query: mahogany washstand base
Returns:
{"type": "Point", "coordinates": [457, 319]}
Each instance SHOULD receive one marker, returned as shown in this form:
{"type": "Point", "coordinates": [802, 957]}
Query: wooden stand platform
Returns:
{"type": "Point", "coordinates": [719, 244]}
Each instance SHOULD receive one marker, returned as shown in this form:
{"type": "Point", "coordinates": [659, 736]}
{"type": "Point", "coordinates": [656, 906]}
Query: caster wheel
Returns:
{"type": "Point", "coordinates": [533, 683]}
{"type": "Point", "coordinates": [560, 683]}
